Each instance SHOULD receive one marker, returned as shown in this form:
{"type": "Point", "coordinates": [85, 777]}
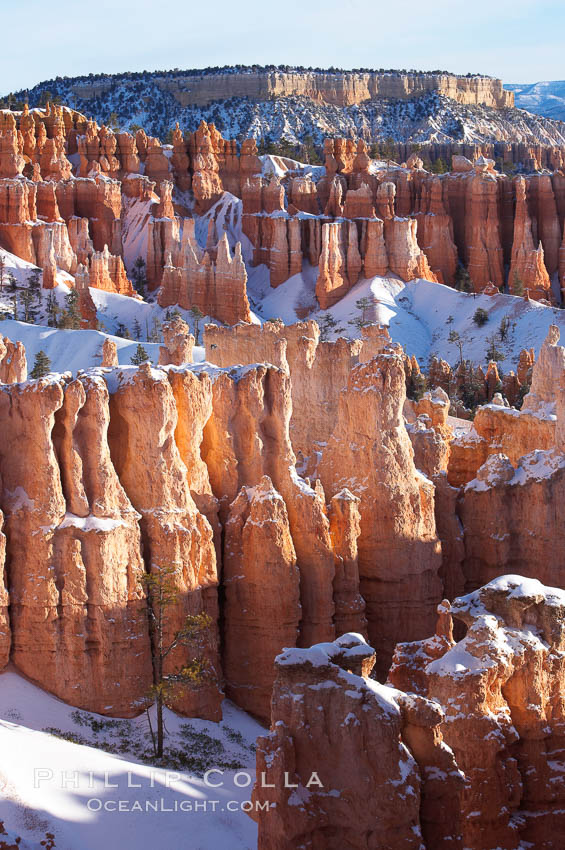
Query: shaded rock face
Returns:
{"type": "Point", "coordinates": [459, 749]}
{"type": "Point", "coordinates": [366, 764]}
{"type": "Point", "coordinates": [501, 689]}
{"type": "Point", "coordinates": [528, 268]}
{"type": "Point", "coordinates": [369, 452]}
{"type": "Point", "coordinates": [262, 590]}
{"type": "Point", "coordinates": [174, 533]}
{"type": "Point", "coordinates": [77, 606]}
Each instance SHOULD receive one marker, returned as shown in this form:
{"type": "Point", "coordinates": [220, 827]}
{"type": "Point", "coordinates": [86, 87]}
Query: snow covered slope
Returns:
{"type": "Point", "coordinates": [420, 315]}
{"type": "Point", "coordinates": [546, 98]}
{"type": "Point", "coordinates": [73, 788]}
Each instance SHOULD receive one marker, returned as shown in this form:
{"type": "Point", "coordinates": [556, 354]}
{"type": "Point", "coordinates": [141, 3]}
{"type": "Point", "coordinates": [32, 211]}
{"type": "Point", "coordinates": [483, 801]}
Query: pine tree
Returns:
{"type": "Point", "coordinates": [29, 306]}
{"type": "Point", "coordinates": [156, 328]}
{"type": "Point", "coordinates": [463, 279]}
{"type": "Point", "coordinates": [139, 278]}
{"type": "Point", "coordinates": [2, 272]}
{"type": "Point", "coordinates": [52, 310]}
{"type": "Point", "coordinates": [363, 305]}
{"type": "Point", "coordinates": [480, 317]}
{"type": "Point", "coordinates": [41, 365]}
{"type": "Point", "coordinates": [71, 317]}
{"type": "Point", "coordinates": [163, 595]}
{"type": "Point", "coordinates": [197, 317]}
{"type": "Point", "coordinates": [455, 339]}
{"type": "Point", "coordinates": [136, 329]}
{"type": "Point", "coordinates": [328, 325]}
{"type": "Point", "coordinates": [517, 284]}
{"type": "Point", "coordinates": [140, 356]}
{"type": "Point", "coordinates": [493, 353]}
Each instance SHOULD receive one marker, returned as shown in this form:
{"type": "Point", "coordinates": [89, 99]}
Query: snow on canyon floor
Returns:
{"type": "Point", "coordinates": [65, 771]}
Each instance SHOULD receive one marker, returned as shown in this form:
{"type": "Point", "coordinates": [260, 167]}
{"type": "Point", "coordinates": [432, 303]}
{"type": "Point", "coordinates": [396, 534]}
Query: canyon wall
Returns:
{"type": "Point", "coordinates": [339, 88]}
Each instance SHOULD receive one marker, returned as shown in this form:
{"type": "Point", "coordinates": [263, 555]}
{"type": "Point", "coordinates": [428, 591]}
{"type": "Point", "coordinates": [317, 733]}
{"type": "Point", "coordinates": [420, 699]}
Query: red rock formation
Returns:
{"type": "Point", "coordinates": [332, 282]}
{"type": "Point", "coordinates": [359, 203]}
{"type": "Point", "coordinates": [562, 265]}
{"type": "Point", "coordinates": [218, 289]}
{"type": "Point", "coordinates": [303, 195]}
{"type": "Point", "coordinates": [11, 152]}
{"type": "Point", "coordinates": [109, 353]}
{"type": "Point", "coordinates": [246, 343]}
{"type": "Point", "coordinates": [206, 182]}
{"type": "Point", "coordinates": [435, 232]}
{"type": "Point", "coordinates": [345, 527]}
{"type": "Point", "coordinates": [261, 583]}
{"type": "Point", "coordinates": [13, 362]}
{"type": "Point", "coordinates": [525, 366]}
{"type": "Point", "coordinates": [108, 273]}
{"type": "Point", "coordinates": [386, 194]}
{"type": "Point", "coordinates": [81, 242]}
{"type": "Point", "coordinates": [498, 687]}
{"type": "Point", "coordinates": [5, 636]}
{"type": "Point", "coordinates": [156, 161]}
{"type": "Point", "coordinates": [164, 208]}
{"type": "Point", "coordinates": [179, 342]}
{"type": "Point", "coordinates": [404, 255]}
{"type": "Point", "coordinates": [128, 153]}
{"type": "Point", "coordinates": [180, 160]}
{"type": "Point", "coordinates": [375, 258]}
{"type": "Point", "coordinates": [543, 208]}
{"type": "Point", "coordinates": [77, 610]}
{"type": "Point", "coordinates": [365, 765]}
{"type": "Point", "coordinates": [527, 265]}
{"type": "Point", "coordinates": [86, 305]}
{"type": "Point", "coordinates": [99, 200]}
{"type": "Point", "coordinates": [369, 452]}
{"type": "Point", "coordinates": [174, 532]}
{"type": "Point", "coordinates": [193, 399]}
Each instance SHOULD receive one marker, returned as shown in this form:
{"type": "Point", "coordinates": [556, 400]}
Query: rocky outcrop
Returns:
{"type": "Point", "coordinates": [179, 342]}
{"type": "Point", "coordinates": [369, 452]}
{"type": "Point", "coordinates": [498, 687]}
{"type": "Point", "coordinates": [261, 584]}
{"type": "Point", "coordinates": [527, 269]}
{"type": "Point", "coordinates": [108, 272]}
{"type": "Point", "coordinates": [404, 255]}
{"type": "Point", "coordinates": [206, 182]}
{"type": "Point", "coordinates": [13, 361]}
{"type": "Point", "coordinates": [246, 343]}
{"type": "Point", "coordinates": [467, 758]}
{"type": "Point", "coordinates": [349, 761]}
{"type": "Point", "coordinates": [175, 534]}
{"type": "Point", "coordinates": [216, 286]}
{"type": "Point", "coordinates": [345, 527]}
{"type": "Point", "coordinates": [109, 353]}
{"type": "Point", "coordinates": [12, 161]}
{"type": "Point", "coordinates": [77, 606]}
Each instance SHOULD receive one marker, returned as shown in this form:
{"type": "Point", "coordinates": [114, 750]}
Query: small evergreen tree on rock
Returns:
{"type": "Point", "coordinates": [140, 356]}
{"type": "Point", "coordinates": [41, 365]}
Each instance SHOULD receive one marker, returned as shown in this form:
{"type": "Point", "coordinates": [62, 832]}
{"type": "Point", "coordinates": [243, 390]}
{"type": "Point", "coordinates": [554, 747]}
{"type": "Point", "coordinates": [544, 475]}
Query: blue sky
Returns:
{"type": "Point", "coordinates": [518, 40]}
